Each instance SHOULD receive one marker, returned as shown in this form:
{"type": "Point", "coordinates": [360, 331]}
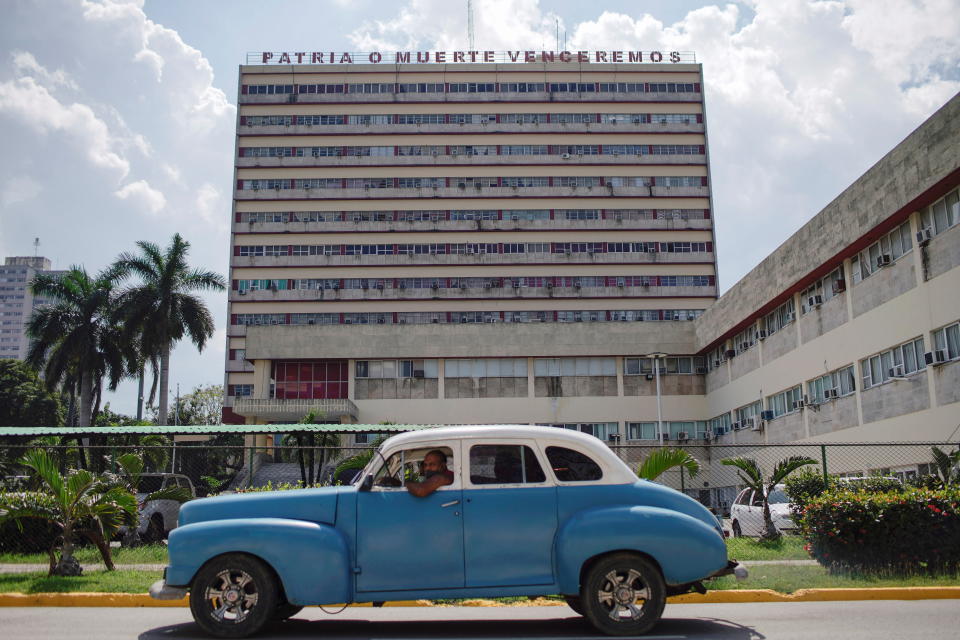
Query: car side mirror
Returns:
{"type": "Point", "coordinates": [367, 483]}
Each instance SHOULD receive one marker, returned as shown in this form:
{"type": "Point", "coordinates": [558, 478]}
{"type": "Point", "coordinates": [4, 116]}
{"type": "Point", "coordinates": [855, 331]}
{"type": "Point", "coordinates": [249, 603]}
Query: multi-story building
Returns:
{"type": "Point", "coordinates": [577, 306]}
{"type": "Point", "coordinates": [410, 240]}
{"type": "Point", "coordinates": [17, 302]}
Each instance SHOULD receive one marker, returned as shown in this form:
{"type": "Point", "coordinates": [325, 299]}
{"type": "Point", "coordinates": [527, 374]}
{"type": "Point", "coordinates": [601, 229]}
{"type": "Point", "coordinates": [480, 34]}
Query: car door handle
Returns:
{"type": "Point", "coordinates": [450, 504]}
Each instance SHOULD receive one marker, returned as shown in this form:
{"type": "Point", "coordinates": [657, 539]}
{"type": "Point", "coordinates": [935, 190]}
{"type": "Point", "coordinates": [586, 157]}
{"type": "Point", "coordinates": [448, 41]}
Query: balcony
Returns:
{"type": "Point", "coordinates": [470, 193]}
{"type": "Point", "coordinates": [276, 410]}
{"type": "Point", "coordinates": [488, 127]}
{"type": "Point", "coordinates": [468, 160]}
{"type": "Point", "coordinates": [508, 292]}
{"type": "Point", "coordinates": [379, 226]}
{"type": "Point", "coordinates": [486, 97]}
{"type": "Point", "coordinates": [472, 259]}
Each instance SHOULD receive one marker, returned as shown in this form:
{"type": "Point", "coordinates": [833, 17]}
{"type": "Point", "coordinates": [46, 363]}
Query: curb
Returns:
{"type": "Point", "coordinates": [712, 597]}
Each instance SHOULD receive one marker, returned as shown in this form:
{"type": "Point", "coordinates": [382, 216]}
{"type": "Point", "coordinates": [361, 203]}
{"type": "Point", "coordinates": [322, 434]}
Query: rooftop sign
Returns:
{"type": "Point", "coordinates": [457, 57]}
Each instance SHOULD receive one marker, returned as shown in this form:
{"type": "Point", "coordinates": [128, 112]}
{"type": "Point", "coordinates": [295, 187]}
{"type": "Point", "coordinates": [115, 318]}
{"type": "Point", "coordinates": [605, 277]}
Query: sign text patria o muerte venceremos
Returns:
{"type": "Point", "coordinates": [452, 57]}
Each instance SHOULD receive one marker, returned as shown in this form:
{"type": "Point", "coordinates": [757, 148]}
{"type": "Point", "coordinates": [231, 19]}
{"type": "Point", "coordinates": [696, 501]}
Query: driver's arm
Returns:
{"type": "Point", "coordinates": [428, 486]}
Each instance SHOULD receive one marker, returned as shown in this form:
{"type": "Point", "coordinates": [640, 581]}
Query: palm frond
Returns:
{"type": "Point", "coordinates": [662, 460]}
{"type": "Point", "coordinates": [749, 471]}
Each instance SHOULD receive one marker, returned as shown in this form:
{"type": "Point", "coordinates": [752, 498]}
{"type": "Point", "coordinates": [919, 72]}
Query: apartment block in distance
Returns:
{"type": "Point", "coordinates": [17, 302]}
{"type": "Point", "coordinates": [472, 242]}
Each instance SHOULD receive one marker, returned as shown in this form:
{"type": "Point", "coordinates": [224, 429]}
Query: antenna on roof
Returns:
{"type": "Point", "coordinates": [470, 33]}
{"type": "Point", "coordinates": [36, 246]}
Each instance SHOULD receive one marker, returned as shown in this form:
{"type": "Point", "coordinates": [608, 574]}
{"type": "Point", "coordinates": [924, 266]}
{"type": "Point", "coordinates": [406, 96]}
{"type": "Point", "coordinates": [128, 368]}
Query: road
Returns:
{"type": "Point", "coordinates": [877, 620]}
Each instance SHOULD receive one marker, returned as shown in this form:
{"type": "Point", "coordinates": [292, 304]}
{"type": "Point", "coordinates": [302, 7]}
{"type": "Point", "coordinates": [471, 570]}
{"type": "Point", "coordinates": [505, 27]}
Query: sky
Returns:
{"type": "Point", "coordinates": [117, 116]}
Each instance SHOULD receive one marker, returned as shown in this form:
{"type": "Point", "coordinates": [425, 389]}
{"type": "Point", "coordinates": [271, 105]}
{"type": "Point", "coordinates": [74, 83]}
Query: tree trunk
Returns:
{"type": "Point", "coordinates": [86, 399]}
{"type": "Point", "coordinates": [67, 565]}
{"type": "Point", "coordinates": [164, 384]}
{"type": "Point", "coordinates": [102, 546]}
{"type": "Point", "coordinates": [770, 530]}
{"type": "Point", "coordinates": [312, 458]}
{"type": "Point", "coordinates": [303, 471]}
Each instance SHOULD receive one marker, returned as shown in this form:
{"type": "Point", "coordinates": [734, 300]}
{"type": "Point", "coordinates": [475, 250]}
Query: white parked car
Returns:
{"type": "Point", "coordinates": [746, 513]}
{"type": "Point", "coordinates": [159, 517]}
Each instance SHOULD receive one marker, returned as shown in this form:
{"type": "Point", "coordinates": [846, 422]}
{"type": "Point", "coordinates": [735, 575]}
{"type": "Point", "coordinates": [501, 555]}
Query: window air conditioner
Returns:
{"type": "Point", "coordinates": [760, 335]}
{"type": "Point", "coordinates": [831, 393]}
{"type": "Point", "coordinates": [729, 353]}
{"type": "Point", "coordinates": [766, 415]}
{"type": "Point", "coordinates": [701, 370]}
{"type": "Point", "coordinates": [798, 404]}
{"type": "Point", "coordinates": [242, 292]}
{"type": "Point", "coordinates": [935, 357]}
{"type": "Point", "coordinates": [735, 426]}
{"type": "Point", "coordinates": [839, 286]}
{"type": "Point", "coordinates": [924, 236]}
{"type": "Point", "coordinates": [683, 436]}
{"type": "Point", "coordinates": [883, 260]}
{"type": "Point", "coordinates": [895, 371]}
{"type": "Point", "coordinates": [565, 156]}
{"type": "Point", "coordinates": [755, 425]}
{"type": "Point", "coordinates": [814, 301]}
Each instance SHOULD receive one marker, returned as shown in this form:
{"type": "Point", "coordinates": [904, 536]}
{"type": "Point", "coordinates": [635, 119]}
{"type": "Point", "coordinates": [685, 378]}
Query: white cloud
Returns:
{"type": "Point", "coordinates": [19, 189]}
{"type": "Point", "coordinates": [25, 64]}
{"type": "Point", "coordinates": [34, 106]}
{"type": "Point", "coordinates": [143, 195]}
{"type": "Point", "coordinates": [211, 207]}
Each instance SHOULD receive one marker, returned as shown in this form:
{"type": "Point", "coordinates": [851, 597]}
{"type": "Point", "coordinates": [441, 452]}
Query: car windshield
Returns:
{"type": "Point", "coordinates": [777, 496]}
{"type": "Point", "coordinates": [149, 484]}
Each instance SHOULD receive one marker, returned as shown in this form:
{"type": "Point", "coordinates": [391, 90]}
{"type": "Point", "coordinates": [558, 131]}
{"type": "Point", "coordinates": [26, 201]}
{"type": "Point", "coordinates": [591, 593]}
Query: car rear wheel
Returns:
{"type": "Point", "coordinates": [154, 532]}
{"type": "Point", "coordinates": [623, 595]}
{"type": "Point", "coordinates": [233, 596]}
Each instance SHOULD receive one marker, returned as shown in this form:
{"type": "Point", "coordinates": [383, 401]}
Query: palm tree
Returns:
{"type": "Point", "coordinates": [947, 466]}
{"type": "Point", "coordinates": [752, 476]}
{"type": "Point", "coordinates": [665, 459]}
{"type": "Point", "coordinates": [79, 503]}
{"type": "Point", "coordinates": [74, 340]}
{"type": "Point", "coordinates": [162, 308]}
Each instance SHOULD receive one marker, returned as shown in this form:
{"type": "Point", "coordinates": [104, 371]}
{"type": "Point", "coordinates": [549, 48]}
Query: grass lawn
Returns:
{"type": "Point", "coordinates": [147, 554]}
{"type": "Point", "coordinates": [90, 581]}
{"type": "Point", "coordinates": [786, 548]}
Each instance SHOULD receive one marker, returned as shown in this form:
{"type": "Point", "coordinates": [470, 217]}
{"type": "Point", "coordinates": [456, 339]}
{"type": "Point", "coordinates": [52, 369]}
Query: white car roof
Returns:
{"type": "Point", "coordinates": [615, 470]}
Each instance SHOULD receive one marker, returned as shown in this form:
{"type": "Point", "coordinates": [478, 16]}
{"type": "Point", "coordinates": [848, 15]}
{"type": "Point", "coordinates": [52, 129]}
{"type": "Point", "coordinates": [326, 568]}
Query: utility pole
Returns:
{"type": "Point", "coordinates": [470, 33]}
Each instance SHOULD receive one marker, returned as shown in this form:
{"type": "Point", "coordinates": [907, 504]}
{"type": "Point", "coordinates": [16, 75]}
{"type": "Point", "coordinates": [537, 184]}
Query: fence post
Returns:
{"type": "Point", "coordinates": [683, 488]}
{"type": "Point", "coordinates": [250, 470]}
{"type": "Point", "coordinates": [823, 458]}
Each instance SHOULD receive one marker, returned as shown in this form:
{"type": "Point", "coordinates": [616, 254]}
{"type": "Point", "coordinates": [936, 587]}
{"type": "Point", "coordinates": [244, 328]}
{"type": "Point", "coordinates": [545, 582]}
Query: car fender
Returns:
{"type": "Point", "coordinates": [311, 559]}
{"type": "Point", "coordinates": [687, 549]}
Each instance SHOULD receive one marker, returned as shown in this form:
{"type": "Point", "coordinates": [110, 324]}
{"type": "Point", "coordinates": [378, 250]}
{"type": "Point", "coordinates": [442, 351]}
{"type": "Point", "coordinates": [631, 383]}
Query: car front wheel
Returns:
{"type": "Point", "coordinates": [233, 596]}
{"type": "Point", "coordinates": [737, 531]}
{"type": "Point", "coordinates": [623, 595]}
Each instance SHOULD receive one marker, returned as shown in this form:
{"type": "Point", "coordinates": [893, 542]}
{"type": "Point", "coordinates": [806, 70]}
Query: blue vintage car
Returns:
{"type": "Point", "coordinates": [520, 511]}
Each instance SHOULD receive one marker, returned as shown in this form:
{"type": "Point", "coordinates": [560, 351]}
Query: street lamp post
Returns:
{"type": "Point", "coordinates": [656, 372]}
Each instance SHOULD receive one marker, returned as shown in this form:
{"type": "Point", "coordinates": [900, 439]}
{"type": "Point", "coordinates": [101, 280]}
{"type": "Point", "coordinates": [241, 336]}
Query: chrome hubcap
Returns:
{"type": "Point", "coordinates": [623, 594]}
{"type": "Point", "coordinates": [231, 596]}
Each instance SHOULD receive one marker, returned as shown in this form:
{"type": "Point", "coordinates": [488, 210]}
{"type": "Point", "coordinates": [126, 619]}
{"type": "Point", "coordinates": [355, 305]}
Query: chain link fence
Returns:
{"type": "Point", "coordinates": [218, 465]}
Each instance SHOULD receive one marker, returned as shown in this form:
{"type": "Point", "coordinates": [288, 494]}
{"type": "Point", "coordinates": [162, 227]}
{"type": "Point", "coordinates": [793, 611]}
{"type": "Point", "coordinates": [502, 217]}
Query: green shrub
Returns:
{"type": "Point", "coordinates": [912, 532]}
{"type": "Point", "coordinates": [801, 487]}
{"type": "Point", "coordinates": [36, 535]}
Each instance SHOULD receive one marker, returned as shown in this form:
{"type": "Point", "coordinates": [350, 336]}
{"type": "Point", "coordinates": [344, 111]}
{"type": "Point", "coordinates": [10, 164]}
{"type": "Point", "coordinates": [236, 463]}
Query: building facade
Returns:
{"type": "Point", "coordinates": [17, 302]}
{"type": "Point", "coordinates": [533, 243]}
{"type": "Point", "coordinates": [384, 214]}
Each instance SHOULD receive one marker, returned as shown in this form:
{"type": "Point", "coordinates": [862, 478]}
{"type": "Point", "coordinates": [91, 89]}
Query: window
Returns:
{"type": "Point", "coordinates": [943, 214]}
{"type": "Point", "coordinates": [745, 415]}
{"type": "Point", "coordinates": [521, 87]}
{"type": "Point", "coordinates": [369, 119]}
{"type": "Point", "coordinates": [671, 365]}
{"type": "Point", "coordinates": [574, 367]}
{"type": "Point", "coordinates": [947, 340]}
{"type": "Point", "coordinates": [822, 290]}
{"type": "Point", "coordinates": [744, 340]}
{"type": "Point", "coordinates": [881, 253]}
{"type": "Point", "coordinates": [309, 379]}
{"type": "Point", "coordinates": [381, 369]}
{"type": "Point", "coordinates": [572, 466]}
{"type": "Point", "coordinates": [642, 431]}
{"type": "Point", "coordinates": [784, 402]}
{"type": "Point", "coordinates": [720, 425]}
{"type": "Point", "coordinates": [900, 361]}
{"type": "Point", "coordinates": [486, 368]}
{"type": "Point", "coordinates": [780, 318]}
{"type": "Point", "coordinates": [835, 384]}
{"type": "Point", "coordinates": [504, 464]}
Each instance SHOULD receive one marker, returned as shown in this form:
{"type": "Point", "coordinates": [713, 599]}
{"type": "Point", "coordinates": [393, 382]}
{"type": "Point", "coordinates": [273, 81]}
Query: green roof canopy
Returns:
{"type": "Point", "coordinates": [214, 429]}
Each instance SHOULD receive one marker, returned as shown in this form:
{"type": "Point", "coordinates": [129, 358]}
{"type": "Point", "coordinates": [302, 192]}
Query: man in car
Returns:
{"type": "Point", "coordinates": [435, 475]}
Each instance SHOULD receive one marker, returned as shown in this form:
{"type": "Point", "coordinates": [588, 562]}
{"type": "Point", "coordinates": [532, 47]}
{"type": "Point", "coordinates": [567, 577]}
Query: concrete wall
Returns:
{"type": "Point", "coordinates": [884, 285]}
{"type": "Point", "coordinates": [832, 416]}
{"type": "Point", "coordinates": [895, 398]}
{"type": "Point", "coordinates": [827, 317]}
{"type": "Point", "coordinates": [946, 382]}
{"type": "Point", "coordinates": [943, 253]}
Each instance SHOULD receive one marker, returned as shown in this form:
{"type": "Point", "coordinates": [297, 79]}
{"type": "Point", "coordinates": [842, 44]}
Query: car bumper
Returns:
{"type": "Point", "coordinates": [160, 590]}
{"type": "Point", "coordinates": [733, 568]}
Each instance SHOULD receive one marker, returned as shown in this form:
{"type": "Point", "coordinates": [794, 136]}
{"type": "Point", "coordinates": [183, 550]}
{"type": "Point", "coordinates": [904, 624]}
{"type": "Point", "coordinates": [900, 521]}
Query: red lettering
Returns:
{"type": "Point", "coordinates": [513, 55]}
{"type": "Point", "coordinates": [674, 56]}
{"type": "Point", "coordinates": [546, 56]}
{"type": "Point", "coordinates": [565, 56]}
{"type": "Point", "coordinates": [423, 56]}
{"type": "Point", "coordinates": [601, 56]}
{"type": "Point", "coordinates": [284, 57]}
{"type": "Point", "coordinates": [458, 56]}
{"type": "Point", "coordinates": [656, 56]}
{"type": "Point", "coordinates": [345, 57]}
{"type": "Point", "coordinates": [440, 56]}
{"type": "Point", "coordinates": [331, 58]}
{"type": "Point", "coordinates": [266, 56]}
{"type": "Point", "coordinates": [636, 56]}
{"type": "Point", "coordinates": [528, 56]}
{"type": "Point", "coordinates": [488, 56]}
{"type": "Point", "coordinates": [300, 55]}
{"type": "Point", "coordinates": [316, 58]}
{"type": "Point", "coordinates": [617, 56]}
{"type": "Point", "coordinates": [375, 57]}
{"type": "Point", "coordinates": [583, 56]}
{"type": "Point", "coordinates": [402, 56]}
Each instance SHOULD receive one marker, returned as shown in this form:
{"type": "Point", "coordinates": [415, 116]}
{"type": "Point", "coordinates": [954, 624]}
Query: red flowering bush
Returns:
{"type": "Point", "coordinates": [916, 531]}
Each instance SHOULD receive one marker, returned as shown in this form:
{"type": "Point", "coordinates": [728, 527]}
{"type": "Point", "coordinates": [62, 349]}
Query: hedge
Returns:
{"type": "Point", "coordinates": [806, 484]}
{"type": "Point", "coordinates": [916, 531]}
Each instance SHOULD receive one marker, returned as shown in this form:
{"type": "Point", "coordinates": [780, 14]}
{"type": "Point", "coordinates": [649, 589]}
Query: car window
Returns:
{"type": "Point", "coordinates": [743, 498]}
{"type": "Point", "coordinates": [149, 484]}
{"type": "Point", "coordinates": [572, 466]}
{"type": "Point", "coordinates": [757, 499]}
{"type": "Point", "coordinates": [404, 465]}
{"type": "Point", "coordinates": [183, 482]}
{"type": "Point", "coordinates": [777, 496]}
{"type": "Point", "coordinates": [504, 464]}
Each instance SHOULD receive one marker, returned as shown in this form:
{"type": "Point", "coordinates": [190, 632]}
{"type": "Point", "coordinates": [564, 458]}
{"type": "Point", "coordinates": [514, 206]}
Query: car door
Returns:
{"type": "Point", "coordinates": [510, 515]}
{"type": "Point", "coordinates": [410, 543]}
{"type": "Point", "coordinates": [753, 516]}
